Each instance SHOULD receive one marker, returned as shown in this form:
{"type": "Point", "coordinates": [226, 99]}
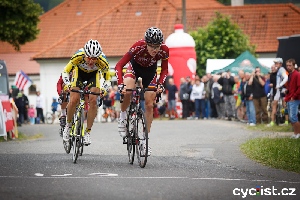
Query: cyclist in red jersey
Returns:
{"type": "Point", "coordinates": [141, 61]}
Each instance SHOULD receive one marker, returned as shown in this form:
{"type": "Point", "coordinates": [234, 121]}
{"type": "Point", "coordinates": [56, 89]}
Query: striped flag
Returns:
{"type": "Point", "coordinates": [22, 80]}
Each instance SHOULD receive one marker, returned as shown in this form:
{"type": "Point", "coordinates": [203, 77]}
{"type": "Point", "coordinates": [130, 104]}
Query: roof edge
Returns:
{"type": "Point", "coordinates": [79, 29]}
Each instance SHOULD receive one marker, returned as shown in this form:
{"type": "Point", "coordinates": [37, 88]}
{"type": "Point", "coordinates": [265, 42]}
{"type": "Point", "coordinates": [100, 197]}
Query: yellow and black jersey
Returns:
{"type": "Point", "coordinates": [77, 61]}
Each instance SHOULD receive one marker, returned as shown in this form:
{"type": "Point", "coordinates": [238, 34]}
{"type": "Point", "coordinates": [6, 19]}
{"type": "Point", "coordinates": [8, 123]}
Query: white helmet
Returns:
{"type": "Point", "coordinates": [92, 48]}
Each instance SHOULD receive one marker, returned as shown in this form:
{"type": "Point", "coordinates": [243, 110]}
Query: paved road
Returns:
{"type": "Point", "coordinates": [190, 160]}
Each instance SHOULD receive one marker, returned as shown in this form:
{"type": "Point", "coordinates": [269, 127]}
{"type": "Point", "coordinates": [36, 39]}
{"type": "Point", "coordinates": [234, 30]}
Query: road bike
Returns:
{"type": "Point", "coordinates": [51, 119]}
{"type": "Point", "coordinates": [136, 130]}
{"type": "Point", "coordinates": [77, 131]}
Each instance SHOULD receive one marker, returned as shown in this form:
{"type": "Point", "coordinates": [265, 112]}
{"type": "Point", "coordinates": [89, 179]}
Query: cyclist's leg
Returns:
{"type": "Point", "coordinates": [94, 85]}
{"type": "Point", "coordinates": [274, 108]}
{"type": "Point", "coordinates": [149, 101]}
{"type": "Point", "coordinates": [73, 101]}
{"type": "Point", "coordinates": [92, 111]}
{"type": "Point", "coordinates": [129, 81]}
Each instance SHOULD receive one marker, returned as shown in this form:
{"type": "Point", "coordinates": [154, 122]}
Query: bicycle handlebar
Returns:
{"type": "Point", "coordinates": [85, 92]}
{"type": "Point", "coordinates": [154, 89]}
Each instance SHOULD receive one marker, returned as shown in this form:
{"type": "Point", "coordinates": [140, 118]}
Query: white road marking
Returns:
{"type": "Point", "coordinates": [62, 175]}
{"type": "Point", "coordinates": [103, 174]}
{"type": "Point", "coordinates": [86, 177]}
{"type": "Point", "coordinates": [38, 174]}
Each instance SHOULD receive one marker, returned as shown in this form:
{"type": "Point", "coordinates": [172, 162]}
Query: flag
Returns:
{"type": "Point", "coordinates": [22, 80]}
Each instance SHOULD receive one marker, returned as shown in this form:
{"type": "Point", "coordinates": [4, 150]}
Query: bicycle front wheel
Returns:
{"type": "Point", "coordinates": [141, 139]}
{"type": "Point", "coordinates": [130, 139]}
{"type": "Point", "coordinates": [77, 137]}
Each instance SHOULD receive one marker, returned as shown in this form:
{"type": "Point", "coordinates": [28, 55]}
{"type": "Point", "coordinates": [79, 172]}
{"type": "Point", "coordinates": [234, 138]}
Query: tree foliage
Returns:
{"type": "Point", "coordinates": [220, 39]}
{"type": "Point", "coordinates": [18, 21]}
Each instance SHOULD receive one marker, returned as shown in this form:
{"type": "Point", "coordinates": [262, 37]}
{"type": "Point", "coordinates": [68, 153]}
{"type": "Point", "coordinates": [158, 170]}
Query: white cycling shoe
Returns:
{"type": "Point", "coordinates": [87, 139]}
{"type": "Point", "coordinates": [66, 133]}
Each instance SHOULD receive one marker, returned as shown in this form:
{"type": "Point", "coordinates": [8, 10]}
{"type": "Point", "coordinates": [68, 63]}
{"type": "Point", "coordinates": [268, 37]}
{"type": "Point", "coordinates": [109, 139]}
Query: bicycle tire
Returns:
{"type": "Point", "coordinates": [130, 139]}
{"type": "Point", "coordinates": [141, 134]}
{"type": "Point", "coordinates": [77, 137]}
{"type": "Point", "coordinates": [81, 136]}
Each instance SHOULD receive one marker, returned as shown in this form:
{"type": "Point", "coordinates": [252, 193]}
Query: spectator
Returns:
{"type": "Point", "coordinates": [293, 96]}
{"type": "Point", "coordinates": [247, 96]}
{"type": "Point", "coordinates": [207, 97]}
{"type": "Point", "coordinates": [172, 92]}
{"type": "Point", "coordinates": [267, 84]}
{"type": "Point", "coordinates": [217, 97]}
{"type": "Point", "coordinates": [198, 98]}
{"type": "Point", "coordinates": [227, 82]}
{"type": "Point", "coordinates": [190, 103]}
{"type": "Point", "coordinates": [20, 103]}
{"type": "Point", "coordinates": [273, 75]}
{"type": "Point", "coordinates": [213, 113]}
{"type": "Point", "coordinates": [242, 110]}
{"type": "Point", "coordinates": [117, 104]}
{"type": "Point", "coordinates": [39, 108]}
{"type": "Point", "coordinates": [281, 79]}
{"type": "Point", "coordinates": [54, 106]}
{"type": "Point", "coordinates": [184, 96]}
{"type": "Point", "coordinates": [31, 114]}
{"type": "Point", "coordinates": [26, 107]}
{"type": "Point", "coordinates": [259, 96]}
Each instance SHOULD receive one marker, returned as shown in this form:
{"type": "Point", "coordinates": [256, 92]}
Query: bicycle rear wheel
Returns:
{"type": "Point", "coordinates": [141, 137]}
{"type": "Point", "coordinates": [130, 138]}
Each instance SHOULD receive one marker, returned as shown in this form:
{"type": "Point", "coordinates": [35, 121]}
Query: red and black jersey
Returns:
{"type": "Point", "coordinates": [140, 54]}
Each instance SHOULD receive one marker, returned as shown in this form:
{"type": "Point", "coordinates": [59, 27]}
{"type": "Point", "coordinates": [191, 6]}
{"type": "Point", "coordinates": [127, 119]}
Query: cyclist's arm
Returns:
{"type": "Point", "coordinates": [66, 73]}
{"type": "Point", "coordinates": [164, 64]}
{"type": "Point", "coordinates": [119, 66]}
{"type": "Point", "coordinates": [285, 79]}
{"type": "Point", "coordinates": [164, 71]}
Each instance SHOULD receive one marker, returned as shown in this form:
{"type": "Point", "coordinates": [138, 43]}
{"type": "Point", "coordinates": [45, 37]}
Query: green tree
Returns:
{"type": "Point", "coordinates": [220, 39]}
{"type": "Point", "coordinates": [18, 21]}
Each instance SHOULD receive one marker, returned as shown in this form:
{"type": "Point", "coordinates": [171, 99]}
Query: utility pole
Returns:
{"type": "Point", "coordinates": [183, 15]}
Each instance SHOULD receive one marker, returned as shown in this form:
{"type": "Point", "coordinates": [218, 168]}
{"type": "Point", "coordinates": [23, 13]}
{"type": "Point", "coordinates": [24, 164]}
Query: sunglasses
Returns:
{"type": "Point", "coordinates": [91, 58]}
{"type": "Point", "coordinates": [154, 46]}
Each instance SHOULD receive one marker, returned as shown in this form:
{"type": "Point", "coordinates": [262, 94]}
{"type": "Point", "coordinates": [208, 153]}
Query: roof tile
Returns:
{"type": "Point", "coordinates": [119, 23]}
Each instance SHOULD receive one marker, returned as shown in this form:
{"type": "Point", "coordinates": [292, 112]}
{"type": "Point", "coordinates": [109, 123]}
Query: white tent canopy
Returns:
{"type": "Point", "coordinates": [215, 64]}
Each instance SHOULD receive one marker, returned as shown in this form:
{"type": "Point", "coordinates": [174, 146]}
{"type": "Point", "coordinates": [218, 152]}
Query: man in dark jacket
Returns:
{"type": "Point", "coordinates": [184, 95]}
{"type": "Point", "coordinates": [259, 96]}
{"type": "Point", "coordinates": [20, 103]}
{"type": "Point", "coordinates": [227, 82]}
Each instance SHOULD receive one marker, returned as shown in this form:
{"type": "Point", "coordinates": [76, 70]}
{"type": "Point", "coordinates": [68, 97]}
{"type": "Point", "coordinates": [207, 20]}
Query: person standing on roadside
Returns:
{"type": "Point", "coordinates": [259, 96]}
{"type": "Point", "coordinates": [293, 96]}
{"type": "Point", "coordinates": [39, 107]}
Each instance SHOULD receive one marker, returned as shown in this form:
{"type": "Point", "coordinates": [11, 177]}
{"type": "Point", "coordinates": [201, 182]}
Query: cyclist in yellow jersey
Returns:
{"type": "Point", "coordinates": [86, 65]}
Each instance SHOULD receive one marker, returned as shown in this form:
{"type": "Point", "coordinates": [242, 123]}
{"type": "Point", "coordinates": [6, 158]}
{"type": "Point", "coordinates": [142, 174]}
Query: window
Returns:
{"type": "Point", "coordinates": [32, 89]}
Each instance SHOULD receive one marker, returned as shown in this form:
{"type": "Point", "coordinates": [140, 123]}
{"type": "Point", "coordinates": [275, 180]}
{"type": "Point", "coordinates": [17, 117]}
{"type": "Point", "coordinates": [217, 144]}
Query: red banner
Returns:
{"type": "Point", "coordinates": [7, 110]}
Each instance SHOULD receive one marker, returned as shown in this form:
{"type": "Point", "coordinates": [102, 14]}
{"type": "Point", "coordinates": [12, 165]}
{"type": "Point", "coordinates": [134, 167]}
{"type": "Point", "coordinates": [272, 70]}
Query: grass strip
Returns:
{"type": "Point", "coordinates": [23, 137]}
{"type": "Point", "coordinates": [279, 153]}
